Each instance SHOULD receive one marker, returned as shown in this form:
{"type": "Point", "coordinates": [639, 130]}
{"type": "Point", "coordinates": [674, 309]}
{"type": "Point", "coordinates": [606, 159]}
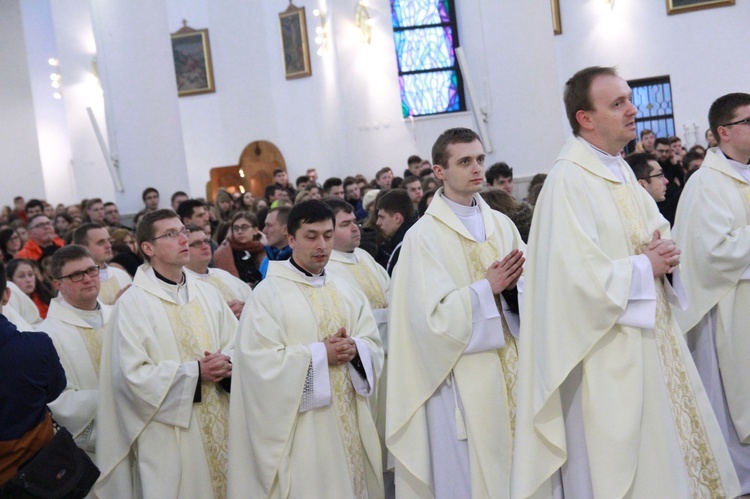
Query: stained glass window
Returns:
{"type": "Point", "coordinates": [426, 37]}
{"type": "Point", "coordinates": [653, 98]}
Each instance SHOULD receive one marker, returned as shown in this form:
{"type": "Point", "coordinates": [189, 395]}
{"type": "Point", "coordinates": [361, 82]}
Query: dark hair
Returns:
{"type": "Point", "coordinates": [385, 169]}
{"type": "Point", "coordinates": [337, 205]}
{"type": "Point", "coordinates": [70, 253]}
{"type": "Point", "coordinates": [639, 164]}
{"type": "Point", "coordinates": [698, 149]}
{"type": "Point", "coordinates": [408, 180]}
{"type": "Point", "coordinates": [396, 201]}
{"type": "Point", "coordinates": [674, 139]}
{"type": "Point", "coordinates": [577, 95]}
{"type": "Point", "coordinates": [276, 171]}
{"type": "Point", "coordinates": [501, 201]}
{"type": "Point", "coordinates": [422, 206]}
{"type": "Point", "coordinates": [283, 213]}
{"type": "Point", "coordinates": [42, 289]}
{"type": "Point", "coordinates": [33, 203]}
{"type": "Point", "coordinates": [193, 228]}
{"type": "Point", "coordinates": [301, 180]}
{"type": "Point", "coordinates": [109, 203]}
{"type": "Point", "coordinates": [691, 156]}
{"type": "Point", "coordinates": [332, 182]}
{"type": "Point", "coordinates": [349, 181]}
{"type": "Point", "coordinates": [498, 170]}
{"type": "Point", "coordinates": [722, 111]}
{"type": "Point", "coordinates": [413, 159]}
{"type": "Point", "coordinates": [147, 191]}
{"type": "Point", "coordinates": [91, 202]}
{"type": "Point", "coordinates": [448, 137]}
{"type": "Point", "coordinates": [145, 230]}
{"type": "Point", "coordinates": [5, 236]}
{"type": "Point", "coordinates": [247, 215]}
{"type": "Point", "coordinates": [533, 194]}
{"type": "Point", "coordinates": [539, 178]}
{"type": "Point", "coordinates": [661, 141]}
{"type": "Point", "coordinates": [308, 212]}
{"type": "Point", "coordinates": [177, 193]}
{"type": "Point", "coordinates": [3, 278]}
{"type": "Point", "coordinates": [186, 208]}
{"type": "Point", "coordinates": [645, 132]}
{"type": "Point", "coordinates": [81, 234]}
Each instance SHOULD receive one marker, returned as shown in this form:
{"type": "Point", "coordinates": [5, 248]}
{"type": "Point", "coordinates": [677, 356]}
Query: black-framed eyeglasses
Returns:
{"type": "Point", "coordinates": [173, 234]}
{"type": "Point", "coordinates": [198, 244]}
{"type": "Point", "coordinates": [658, 175]}
{"type": "Point", "coordinates": [77, 276]}
{"type": "Point", "coordinates": [746, 121]}
{"type": "Point", "coordinates": [242, 228]}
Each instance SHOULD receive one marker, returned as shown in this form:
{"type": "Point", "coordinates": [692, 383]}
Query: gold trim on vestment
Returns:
{"type": "Point", "coordinates": [192, 334]}
{"type": "Point", "coordinates": [226, 292]}
{"type": "Point", "coordinates": [369, 284]}
{"type": "Point", "coordinates": [480, 256]}
{"type": "Point", "coordinates": [93, 338]}
{"type": "Point", "coordinates": [326, 304]}
{"type": "Point", "coordinates": [108, 290]}
{"type": "Point", "coordinates": [697, 454]}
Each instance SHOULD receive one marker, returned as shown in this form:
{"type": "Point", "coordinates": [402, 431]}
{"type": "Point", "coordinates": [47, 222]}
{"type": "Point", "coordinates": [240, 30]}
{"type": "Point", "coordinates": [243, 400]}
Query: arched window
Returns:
{"type": "Point", "coordinates": [426, 37]}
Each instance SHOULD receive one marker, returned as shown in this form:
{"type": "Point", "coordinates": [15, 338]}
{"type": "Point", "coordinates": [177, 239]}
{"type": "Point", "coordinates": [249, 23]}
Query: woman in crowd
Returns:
{"type": "Point", "coordinates": [242, 251]}
{"type": "Point", "coordinates": [62, 222]}
{"type": "Point", "coordinates": [10, 243]}
{"type": "Point", "coordinates": [27, 276]}
{"type": "Point", "coordinates": [125, 251]}
{"type": "Point", "coordinates": [246, 201]}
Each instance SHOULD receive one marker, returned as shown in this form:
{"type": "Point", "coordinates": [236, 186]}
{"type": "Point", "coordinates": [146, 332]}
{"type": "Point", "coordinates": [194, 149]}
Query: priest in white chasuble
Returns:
{"type": "Point", "coordinates": [306, 361]}
{"type": "Point", "coordinates": [452, 351]}
{"type": "Point", "coordinates": [609, 401]}
{"type": "Point", "coordinates": [163, 400]}
{"type": "Point", "coordinates": [712, 227]}
{"type": "Point", "coordinates": [75, 321]}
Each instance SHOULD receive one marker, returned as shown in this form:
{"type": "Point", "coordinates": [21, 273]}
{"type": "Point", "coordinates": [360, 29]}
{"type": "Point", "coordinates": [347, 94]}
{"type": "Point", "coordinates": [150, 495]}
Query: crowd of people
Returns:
{"type": "Point", "coordinates": [424, 333]}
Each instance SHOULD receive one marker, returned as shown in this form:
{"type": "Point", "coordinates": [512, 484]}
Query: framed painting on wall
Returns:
{"type": "Point", "coordinates": [294, 42]}
{"type": "Point", "coordinates": [192, 61]}
{"type": "Point", "coordinates": [680, 6]}
{"type": "Point", "coordinates": [556, 23]}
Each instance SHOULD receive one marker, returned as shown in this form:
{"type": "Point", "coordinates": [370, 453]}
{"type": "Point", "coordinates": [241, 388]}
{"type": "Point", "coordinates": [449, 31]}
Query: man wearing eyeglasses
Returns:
{"type": "Point", "coordinates": [75, 322]}
{"type": "Point", "coordinates": [163, 401]}
{"type": "Point", "coordinates": [42, 239]}
{"type": "Point", "coordinates": [712, 230]}
{"type": "Point", "coordinates": [234, 291]}
{"type": "Point", "coordinates": [113, 281]}
{"type": "Point", "coordinates": [649, 174]}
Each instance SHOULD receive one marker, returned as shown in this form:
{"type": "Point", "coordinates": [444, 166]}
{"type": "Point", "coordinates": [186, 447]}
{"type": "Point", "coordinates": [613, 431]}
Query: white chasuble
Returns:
{"type": "Point", "coordinates": [712, 230]}
{"type": "Point", "coordinates": [79, 345]}
{"type": "Point", "coordinates": [280, 445]}
{"type": "Point", "coordinates": [155, 441]}
{"type": "Point", "coordinates": [229, 286]}
{"type": "Point", "coordinates": [450, 405]}
{"type": "Point", "coordinates": [113, 280]}
{"type": "Point", "coordinates": [620, 408]}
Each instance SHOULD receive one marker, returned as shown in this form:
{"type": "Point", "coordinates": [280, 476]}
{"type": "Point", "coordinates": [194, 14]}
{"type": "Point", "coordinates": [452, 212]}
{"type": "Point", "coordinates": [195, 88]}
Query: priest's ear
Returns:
{"type": "Point", "coordinates": [584, 120]}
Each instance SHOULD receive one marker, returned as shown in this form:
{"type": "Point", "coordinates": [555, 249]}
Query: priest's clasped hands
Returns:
{"type": "Point", "coordinates": [663, 254]}
{"type": "Point", "coordinates": [215, 366]}
{"type": "Point", "coordinates": [504, 274]}
{"type": "Point", "coordinates": [340, 348]}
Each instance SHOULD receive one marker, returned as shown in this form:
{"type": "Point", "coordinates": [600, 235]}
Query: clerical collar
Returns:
{"type": "Point", "coordinates": [741, 168]}
{"type": "Point", "coordinates": [732, 159]}
{"type": "Point", "coordinates": [612, 163]}
{"type": "Point", "coordinates": [162, 278]}
{"type": "Point", "coordinates": [470, 217]}
{"type": "Point", "coordinates": [460, 209]}
{"type": "Point", "coordinates": [308, 274]}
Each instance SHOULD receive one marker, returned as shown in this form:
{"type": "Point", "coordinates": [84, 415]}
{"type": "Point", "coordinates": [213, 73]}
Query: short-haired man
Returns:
{"type": "Point", "coordinates": [500, 176]}
{"type": "Point", "coordinates": [301, 182]}
{"type": "Point", "coordinates": [234, 291]}
{"type": "Point", "coordinates": [395, 215]}
{"type": "Point", "coordinates": [713, 228]}
{"type": "Point", "coordinates": [662, 150]}
{"type": "Point", "coordinates": [281, 180]}
{"type": "Point", "coordinates": [75, 322]}
{"type": "Point", "coordinates": [674, 174]}
{"type": "Point", "coordinates": [312, 174]}
{"type": "Point", "coordinates": [361, 271]}
{"type": "Point", "coordinates": [177, 198]}
{"type": "Point", "coordinates": [277, 247]}
{"type": "Point", "coordinates": [413, 187]}
{"type": "Point", "coordinates": [161, 406]}
{"type": "Point", "coordinates": [112, 216]}
{"type": "Point", "coordinates": [609, 401]}
{"type": "Point", "coordinates": [648, 139]}
{"type": "Point", "coordinates": [383, 178]}
{"type": "Point", "coordinates": [150, 197]}
{"type": "Point", "coordinates": [414, 166]}
{"type": "Point", "coordinates": [112, 280]}
{"type": "Point", "coordinates": [42, 241]}
{"type": "Point", "coordinates": [95, 211]}
{"type": "Point", "coordinates": [307, 359]}
{"type": "Point", "coordinates": [334, 188]}
{"type": "Point", "coordinates": [451, 432]}
{"type": "Point", "coordinates": [33, 207]}
{"type": "Point", "coordinates": [649, 174]}
{"type": "Point", "coordinates": [195, 212]}
{"type": "Point", "coordinates": [691, 162]}
{"type": "Point", "coordinates": [353, 196]}
{"type": "Point", "coordinates": [675, 144]}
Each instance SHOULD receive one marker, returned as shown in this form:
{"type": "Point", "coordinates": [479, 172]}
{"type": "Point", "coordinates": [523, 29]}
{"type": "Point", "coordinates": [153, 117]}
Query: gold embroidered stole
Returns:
{"type": "Point", "coordinates": [108, 290]}
{"type": "Point", "coordinates": [697, 454]}
{"type": "Point", "coordinates": [326, 305]}
{"type": "Point", "coordinates": [93, 338]}
{"type": "Point", "coordinates": [480, 256]}
{"type": "Point", "coordinates": [224, 289]}
{"type": "Point", "coordinates": [369, 284]}
{"type": "Point", "coordinates": [191, 331]}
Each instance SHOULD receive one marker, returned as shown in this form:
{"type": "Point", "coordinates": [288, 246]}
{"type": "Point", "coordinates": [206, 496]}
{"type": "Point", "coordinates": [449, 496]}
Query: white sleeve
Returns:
{"type": "Point", "coordinates": [641, 308]}
{"type": "Point", "coordinates": [317, 391]}
{"type": "Point", "coordinates": [362, 386]}
{"type": "Point", "coordinates": [487, 325]}
{"type": "Point", "coordinates": [177, 406]}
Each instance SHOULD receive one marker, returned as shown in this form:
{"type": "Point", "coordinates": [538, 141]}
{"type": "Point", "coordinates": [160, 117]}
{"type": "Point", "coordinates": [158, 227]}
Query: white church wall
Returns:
{"type": "Point", "coordinates": [704, 52]}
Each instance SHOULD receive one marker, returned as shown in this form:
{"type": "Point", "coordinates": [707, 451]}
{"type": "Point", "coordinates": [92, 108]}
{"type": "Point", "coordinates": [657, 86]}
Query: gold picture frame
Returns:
{"type": "Point", "coordinates": [556, 23]}
{"type": "Point", "coordinates": [191, 51]}
{"type": "Point", "coordinates": [680, 6]}
{"type": "Point", "coordinates": [294, 47]}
